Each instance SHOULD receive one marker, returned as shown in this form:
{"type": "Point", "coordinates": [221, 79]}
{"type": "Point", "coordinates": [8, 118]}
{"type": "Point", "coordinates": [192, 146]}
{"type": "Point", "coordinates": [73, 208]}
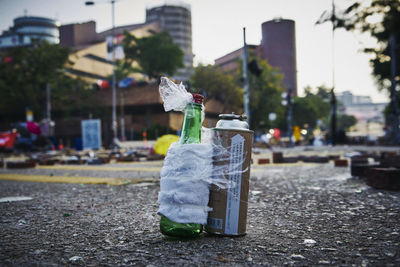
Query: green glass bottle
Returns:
{"type": "Point", "coordinates": [191, 133]}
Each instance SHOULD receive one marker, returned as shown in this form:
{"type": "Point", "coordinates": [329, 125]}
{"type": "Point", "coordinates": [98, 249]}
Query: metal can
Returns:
{"type": "Point", "coordinates": [229, 205]}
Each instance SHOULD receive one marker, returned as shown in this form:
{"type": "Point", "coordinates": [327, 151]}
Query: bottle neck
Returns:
{"type": "Point", "coordinates": [191, 128]}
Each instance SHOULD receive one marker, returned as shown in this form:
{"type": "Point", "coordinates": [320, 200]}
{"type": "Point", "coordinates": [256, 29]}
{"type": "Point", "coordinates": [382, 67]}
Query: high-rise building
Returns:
{"type": "Point", "coordinates": [347, 99]}
{"type": "Point", "coordinates": [26, 29]}
{"type": "Point", "coordinates": [177, 20]}
{"type": "Point", "coordinates": [78, 34]}
{"type": "Point", "coordinates": [278, 47]}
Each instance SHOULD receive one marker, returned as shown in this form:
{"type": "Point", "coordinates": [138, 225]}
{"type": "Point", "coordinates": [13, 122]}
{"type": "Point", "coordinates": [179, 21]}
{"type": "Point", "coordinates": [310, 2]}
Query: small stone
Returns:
{"type": "Point", "coordinates": [39, 251]}
{"type": "Point", "coordinates": [249, 259]}
{"type": "Point", "coordinates": [324, 262]}
{"type": "Point", "coordinates": [297, 257]}
{"type": "Point", "coordinates": [390, 253]}
{"type": "Point", "coordinates": [75, 259]}
{"type": "Point", "coordinates": [329, 249]}
{"type": "Point", "coordinates": [309, 242]}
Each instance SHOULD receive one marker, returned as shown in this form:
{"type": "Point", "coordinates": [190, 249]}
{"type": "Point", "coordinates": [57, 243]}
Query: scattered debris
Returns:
{"type": "Point", "coordinates": [12, 199]}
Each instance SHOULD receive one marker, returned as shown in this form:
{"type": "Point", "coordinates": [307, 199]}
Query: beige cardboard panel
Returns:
{"type": "Point", "coordinates": [219, 197]}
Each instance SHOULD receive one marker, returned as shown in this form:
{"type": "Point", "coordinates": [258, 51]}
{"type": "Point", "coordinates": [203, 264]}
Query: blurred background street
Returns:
{"type": "Point", "coordinates": [299, 214]}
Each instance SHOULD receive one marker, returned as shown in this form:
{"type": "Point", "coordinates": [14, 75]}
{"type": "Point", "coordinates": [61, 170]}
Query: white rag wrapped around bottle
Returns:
{"type": "Point", "coordinates": [184, 185]}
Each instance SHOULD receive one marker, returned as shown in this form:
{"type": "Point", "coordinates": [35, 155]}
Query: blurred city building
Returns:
{"type": "Point", "coordinates": [348, 99]}
{"type": "Point", "coordinates": [230, 62]}
{"type": "Point", "coordinates": [278, 48]}
{"type": "Point", "coordinates": [89, 48]}
{"type": "Point", "coordinates": [175, 17]}
{"type": "Point", "coordinates": [78, 35]}
{"type": "Point", "coordinates": [143, 111]}
{"type": "Point", "coordinates": [28, 28]}
{"type": "Point", "coordinates": [141, 102]}
{"type": "Point", "coordinates": [369, 115]}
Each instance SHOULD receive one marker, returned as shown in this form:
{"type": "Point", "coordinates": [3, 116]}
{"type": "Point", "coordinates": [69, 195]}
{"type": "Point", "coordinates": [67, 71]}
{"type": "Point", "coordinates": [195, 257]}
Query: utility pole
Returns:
{"type": "Point", "coordinates": [289, 115]}
{"type": "Point", "coordinates": [114, 89]}
{"type": "Point", "coordinates": [122, 120]}
{"type": "Point", "coordinates": [114, 124]}
{"type": "Point", "coordinates": [246, 94]}
{"type": "Point", "coordinates": [48, 110]}
{"type": "Point", "coordinates": [393, 92]}
{"type": "Point", "coordinates": [333, 97]}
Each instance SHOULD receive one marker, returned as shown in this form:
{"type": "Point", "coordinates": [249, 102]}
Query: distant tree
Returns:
{"type": "Point", "coordinates": [155, 55]}
{"type": "Point", "coordinates": [214, 83]}
{"type": "Point", "coordinates": [381, 18]}
{"type": "Point", "coordinates": [345, 122]}
{"type": "Point", "coordinates": [311, 107]}
{"type": "Point", "coordinates": [24, 75]}
{"type": "Point", "coordinates": [265, 96]}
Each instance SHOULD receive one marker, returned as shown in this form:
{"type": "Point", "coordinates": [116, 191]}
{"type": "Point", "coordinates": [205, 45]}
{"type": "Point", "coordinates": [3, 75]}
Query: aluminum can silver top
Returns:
{"type": "Point", "coordinates": [232, 121]}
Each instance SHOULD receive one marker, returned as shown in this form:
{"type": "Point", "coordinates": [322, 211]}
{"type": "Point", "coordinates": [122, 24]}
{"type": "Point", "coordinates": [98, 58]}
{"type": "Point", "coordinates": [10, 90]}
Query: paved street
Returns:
{"type": "Point", "coordinates": [299, 214]}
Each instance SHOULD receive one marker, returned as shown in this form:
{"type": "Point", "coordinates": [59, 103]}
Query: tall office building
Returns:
{"type": "Point", "coordinates": [26, 29]}
{"type": "Point", "coordinates": [278, 47]}
{"type": "Point", "coordinates": [177, 20]}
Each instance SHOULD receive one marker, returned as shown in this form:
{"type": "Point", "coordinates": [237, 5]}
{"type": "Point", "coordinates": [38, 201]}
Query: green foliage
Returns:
{"type": "Point", "coordinates": [156, 54]}
{"type": "Point", "coordinates": [23, 80]}
{"type": "Point", "coordinates": [212, 82]}
{"type": "Point", "coordinates": [364, 19]}
{"type": "Point", "coordinates": [311, 107]}
{"type": "Point", "coordinates": [344, 122]}
{"type": "Point", "coordinates": [265, 97]}
{"type": "Point", "coordinates": [156, 131]}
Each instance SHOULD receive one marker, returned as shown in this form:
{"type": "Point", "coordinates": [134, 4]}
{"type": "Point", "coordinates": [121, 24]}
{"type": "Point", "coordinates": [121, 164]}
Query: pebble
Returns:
{"type": "Point", "coordinates": [329, 249]}
{"type": "Point", "coordinates": [75, 259]}
{"type": "Point", "coordinates": [309, 242]}
{"type": "Point", "coordinates": [119, 228]}
{"type": "Point", "coordinates": [297, 257]}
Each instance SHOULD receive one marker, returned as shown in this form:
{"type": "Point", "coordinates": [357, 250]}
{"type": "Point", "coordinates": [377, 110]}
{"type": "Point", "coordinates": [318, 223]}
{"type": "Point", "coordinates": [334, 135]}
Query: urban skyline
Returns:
{"type": "Point", "coordinates": [314, 59]}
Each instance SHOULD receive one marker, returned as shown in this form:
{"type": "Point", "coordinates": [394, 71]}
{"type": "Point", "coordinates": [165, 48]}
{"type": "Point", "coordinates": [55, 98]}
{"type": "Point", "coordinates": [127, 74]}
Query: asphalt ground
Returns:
{"type": "Point", "coordinates": [299, 215]}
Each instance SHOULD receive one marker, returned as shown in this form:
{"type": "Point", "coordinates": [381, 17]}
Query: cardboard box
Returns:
{"type": "Point", "coordinates": [229, 214]}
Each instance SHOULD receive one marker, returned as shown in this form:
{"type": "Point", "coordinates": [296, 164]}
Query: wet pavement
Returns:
{"type": "Point", "coordinates": [299, 214]}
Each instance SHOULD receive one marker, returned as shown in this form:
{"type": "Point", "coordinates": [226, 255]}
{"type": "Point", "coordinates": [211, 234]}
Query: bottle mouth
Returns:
{"type": "Point", "coordinates": [198, 98]}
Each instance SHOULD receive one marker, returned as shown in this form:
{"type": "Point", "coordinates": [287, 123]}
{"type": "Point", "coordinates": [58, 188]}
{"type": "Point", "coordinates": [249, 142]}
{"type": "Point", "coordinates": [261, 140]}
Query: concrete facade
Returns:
{"type": "Point", "coordinates": [26, 29]}
{"type": "Point", "coordinates": [177, 20]}
{"type": "Point", "coordinates": [78, 34]}
{"type": "Point", "coordinates": [230, 62]}
{"type": "Point", "coordinates": [143, 109]}
{"type": "Point", "coordinates": [90, 59]}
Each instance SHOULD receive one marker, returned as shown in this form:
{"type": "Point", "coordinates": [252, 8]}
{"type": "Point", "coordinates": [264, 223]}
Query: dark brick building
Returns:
{"type": "Point", "coordinates": [278, 47]}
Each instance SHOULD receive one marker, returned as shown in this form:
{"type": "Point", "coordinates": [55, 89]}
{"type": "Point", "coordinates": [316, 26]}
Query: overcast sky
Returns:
{"type": "Point", "coordinates": [217, 30]}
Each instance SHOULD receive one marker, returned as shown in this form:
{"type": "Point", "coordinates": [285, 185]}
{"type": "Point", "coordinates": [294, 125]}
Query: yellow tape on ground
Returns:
{"type": "Point", "coordinates": [98, 168]}
{"type": "Point", "coordinates": [73, 179]}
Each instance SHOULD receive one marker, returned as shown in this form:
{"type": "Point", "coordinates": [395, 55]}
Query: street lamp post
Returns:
{"type": "Point", "coordinates": [246, 94]}
{"type": "Point", "coordinates": [333, 97]}
{"type": "Point", "coordinates": [114, 89]}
